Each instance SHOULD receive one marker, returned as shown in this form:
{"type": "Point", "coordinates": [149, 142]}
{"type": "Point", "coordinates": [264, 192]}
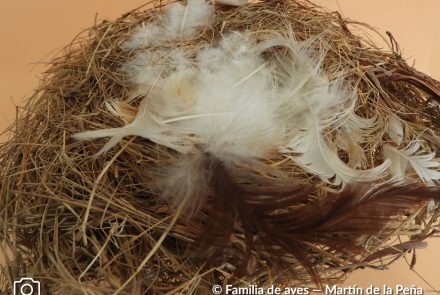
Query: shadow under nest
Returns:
{"type": "Point", "coordinates": [95, 225]}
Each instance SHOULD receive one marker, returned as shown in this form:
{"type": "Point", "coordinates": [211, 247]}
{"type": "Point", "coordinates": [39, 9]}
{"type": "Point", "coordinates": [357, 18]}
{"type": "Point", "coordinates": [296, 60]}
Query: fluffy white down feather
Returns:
{"type": "Point", "coordinates": [237, 106]}
{"type": "Point", "coordinates": [178, 21]}
{"type": "Point", "coordinates": [227, 105]}
{"type": "Point", "coordinates": [192, 185]}
{"type": "Point", "coordinates": [395, 129]}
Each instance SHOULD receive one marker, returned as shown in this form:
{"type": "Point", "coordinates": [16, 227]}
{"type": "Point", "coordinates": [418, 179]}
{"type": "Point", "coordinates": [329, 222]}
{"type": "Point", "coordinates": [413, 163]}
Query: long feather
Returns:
{"type": "Point", "coordinates": [318, 158]}
{"type": "Point", "coordinates": [323, 105]}
{"type": "Point", "coordinates": [422, 163]}
{"type": "Point", "coordinates": [145, 124]}
{"type": "Point", "coordinates": [287, 223]}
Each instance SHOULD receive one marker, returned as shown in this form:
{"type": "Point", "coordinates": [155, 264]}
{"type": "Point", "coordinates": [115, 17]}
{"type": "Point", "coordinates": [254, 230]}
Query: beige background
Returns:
{"type": "Point", "coordinates": [31, 31]}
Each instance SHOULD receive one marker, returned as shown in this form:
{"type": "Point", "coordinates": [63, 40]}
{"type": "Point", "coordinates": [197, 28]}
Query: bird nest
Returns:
{"type": "Point", "coordinates": [135, 216]}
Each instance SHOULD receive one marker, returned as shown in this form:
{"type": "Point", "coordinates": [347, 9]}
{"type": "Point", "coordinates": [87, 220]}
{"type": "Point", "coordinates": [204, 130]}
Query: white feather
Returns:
{"type": "Point", "coordinates": [146, 125]}
{"type": "Point", "coordinates": [228, 107]}
{"type": "Point", "coordinates": [360, 128]}
{"type": "Point", "coordinates": [187, 177]}
{"type": "Point", "coordinates": [422, 163]}
{"type": "Point", "coordinates": [233, 104]}
{"type": "Point", "coordinates": [395, 129]}
{"type": "Point", "coordinates": [355, 131]}
{"type": "Point", "coordinates": [318, 158]}
{"type": "Point", "coordinates": [178, 21]}
{"type": "Point", "coordinates": [238, 85]}
{"type": "Point", "coordinates": [148, 67]}
{"type": "Point", "coordinates": [345, 141]}
{"type": "Point", "coordinates": [316, 106]}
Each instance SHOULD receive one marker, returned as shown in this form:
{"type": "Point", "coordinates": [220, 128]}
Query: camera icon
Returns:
{"type": "Point", "coordinates": [26, 286]}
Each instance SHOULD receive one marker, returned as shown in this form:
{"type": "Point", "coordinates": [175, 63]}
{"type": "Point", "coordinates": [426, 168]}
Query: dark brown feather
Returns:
{"type": "Point", "coordinates": [281, 217]}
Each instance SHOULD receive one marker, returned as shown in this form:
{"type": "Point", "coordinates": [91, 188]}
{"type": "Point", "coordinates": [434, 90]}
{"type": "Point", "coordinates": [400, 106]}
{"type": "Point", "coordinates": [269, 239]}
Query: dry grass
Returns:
{"type": "Point", "coordinates": [94, 226]}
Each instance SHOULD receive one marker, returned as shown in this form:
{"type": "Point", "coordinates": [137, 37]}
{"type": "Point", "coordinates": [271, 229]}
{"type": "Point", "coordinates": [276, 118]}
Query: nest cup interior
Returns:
{"type": "Point", "coordinates": [87, 222]}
